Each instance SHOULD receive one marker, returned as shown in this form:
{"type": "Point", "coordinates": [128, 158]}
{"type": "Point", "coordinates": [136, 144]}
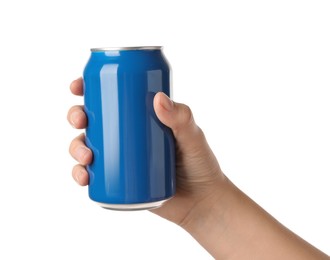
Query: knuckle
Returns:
{"type": "Point", "coordinates": [187, 116]}
{"type": "Point", "coordinates": [72, 110]}
{"type": "Point", "coordinates": [72, 146]}
{"type": "Point", "coordinates": [75, 143]}
{"type": "Point", "coordinates": [69, 114]}
{"type": "Point", "coordinates": [74, 170]}
{"type": "Point", "coordinates": [184, 119]}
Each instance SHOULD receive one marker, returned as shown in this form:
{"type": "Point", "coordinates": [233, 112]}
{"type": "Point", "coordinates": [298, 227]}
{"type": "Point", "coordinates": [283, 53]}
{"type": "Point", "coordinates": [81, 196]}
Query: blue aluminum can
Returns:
{"type": "Point", "coordinates": [133, 152]}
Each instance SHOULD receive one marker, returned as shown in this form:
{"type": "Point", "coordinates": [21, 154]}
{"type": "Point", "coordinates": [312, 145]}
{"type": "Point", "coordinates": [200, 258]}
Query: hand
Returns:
{"type": "Point", "coordinates": [198, 172]}
{"type": "Point", "coordinates": [226, 222]}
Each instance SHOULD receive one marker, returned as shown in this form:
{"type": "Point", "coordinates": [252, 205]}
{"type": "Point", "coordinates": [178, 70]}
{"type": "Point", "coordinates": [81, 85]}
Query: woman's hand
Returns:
{"type": "Point", "coordinates": [198, 172]}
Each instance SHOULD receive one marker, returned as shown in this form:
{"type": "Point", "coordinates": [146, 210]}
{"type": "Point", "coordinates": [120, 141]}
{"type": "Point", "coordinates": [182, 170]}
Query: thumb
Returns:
{"type": "Point", "coordinates": [179, 118]}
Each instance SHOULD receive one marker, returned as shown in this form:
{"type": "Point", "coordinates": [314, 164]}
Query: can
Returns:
{"type": "Point", "coordinates": [133, 163]}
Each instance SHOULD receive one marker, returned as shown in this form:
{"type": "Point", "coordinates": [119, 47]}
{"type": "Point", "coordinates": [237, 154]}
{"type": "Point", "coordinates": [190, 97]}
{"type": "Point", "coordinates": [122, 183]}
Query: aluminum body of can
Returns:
{"type": "Point", "coordinates": [133, 163]}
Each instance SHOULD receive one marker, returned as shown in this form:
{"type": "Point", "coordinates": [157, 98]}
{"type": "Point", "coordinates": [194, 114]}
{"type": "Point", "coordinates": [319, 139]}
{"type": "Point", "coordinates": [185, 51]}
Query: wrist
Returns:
{"type": "Point", "coordinates": [209, 219]}
{"type": "Point", "coordinates": [208, 210]}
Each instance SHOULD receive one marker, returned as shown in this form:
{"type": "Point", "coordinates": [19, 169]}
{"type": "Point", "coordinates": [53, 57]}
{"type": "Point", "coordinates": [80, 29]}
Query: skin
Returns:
{"type": "Point", "coordinates": [224, 220]}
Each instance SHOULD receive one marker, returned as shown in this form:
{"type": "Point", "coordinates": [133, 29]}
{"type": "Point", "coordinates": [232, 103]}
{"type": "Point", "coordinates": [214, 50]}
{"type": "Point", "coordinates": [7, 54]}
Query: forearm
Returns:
{"type": "Point", "coordinates": [229, 225]}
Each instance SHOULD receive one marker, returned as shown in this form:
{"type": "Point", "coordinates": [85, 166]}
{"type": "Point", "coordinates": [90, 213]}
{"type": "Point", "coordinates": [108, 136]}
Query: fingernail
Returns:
{"type": "Point", "coordinates": [167, 103]}
{"type": "Point", "coordinates": [73, 118]}
{"type": "Point", "coordinates": [82, 153]}
{"type": "Point", "coordinates": [78, 176]}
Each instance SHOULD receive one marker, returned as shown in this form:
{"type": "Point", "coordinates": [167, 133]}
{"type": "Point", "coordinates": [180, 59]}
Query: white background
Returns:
{"type": "Point", "coordinates": [255, 73]}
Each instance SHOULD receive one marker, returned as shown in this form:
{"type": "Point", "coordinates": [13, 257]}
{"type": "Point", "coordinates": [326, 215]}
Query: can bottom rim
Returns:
{"type": "Point", "coordinates": [132, 207]}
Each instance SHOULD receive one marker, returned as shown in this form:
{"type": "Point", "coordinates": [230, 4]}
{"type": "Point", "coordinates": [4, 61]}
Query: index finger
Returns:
{"type": "Point", "coordinates": [76, 87]}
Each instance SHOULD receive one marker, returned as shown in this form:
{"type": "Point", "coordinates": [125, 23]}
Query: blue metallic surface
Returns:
{"type": "Point", "coordinates": [134, 153]}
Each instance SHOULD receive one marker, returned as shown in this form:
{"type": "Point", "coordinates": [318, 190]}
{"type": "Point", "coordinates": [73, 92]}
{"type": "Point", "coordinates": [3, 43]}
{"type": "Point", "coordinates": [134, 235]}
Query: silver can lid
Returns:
{"type": "Point", "coordinates": [135, 48]}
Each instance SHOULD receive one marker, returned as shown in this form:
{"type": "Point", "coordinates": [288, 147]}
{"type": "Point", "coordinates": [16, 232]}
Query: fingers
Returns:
{"type": "Point", "coordinates": [77, 117]}
{"type": "Point", "coordinates": [80, 151]}
{"type": "Point", "coordinates": [179, 118]}
{"type": "Point", "coordinates": [80, 175]}
{"type": "Point", "coordinates": [76, 87]}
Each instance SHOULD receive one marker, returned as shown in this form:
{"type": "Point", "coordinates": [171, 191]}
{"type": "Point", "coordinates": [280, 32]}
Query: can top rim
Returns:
{"type": "Point", "coordinates": [133, 48]}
